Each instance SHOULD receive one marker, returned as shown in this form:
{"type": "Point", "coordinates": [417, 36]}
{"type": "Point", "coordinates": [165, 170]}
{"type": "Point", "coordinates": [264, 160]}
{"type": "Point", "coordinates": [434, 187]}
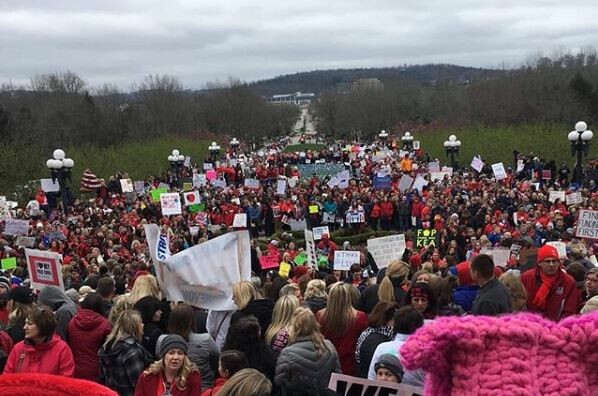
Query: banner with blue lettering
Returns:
{"type": "Point", "coordinates": [382, 183]}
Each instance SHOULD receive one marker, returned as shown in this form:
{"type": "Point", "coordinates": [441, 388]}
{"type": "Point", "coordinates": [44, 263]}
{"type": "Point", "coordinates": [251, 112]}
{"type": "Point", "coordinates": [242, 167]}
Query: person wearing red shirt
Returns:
{"type": "Point", "coordinates": [386, 212]}
{"type": "Point", "coordinates": [374, 215]}
{"type": "Point", "coordinates": [416, 212]}
{"type": "Point", "coordinates": [550, 290]}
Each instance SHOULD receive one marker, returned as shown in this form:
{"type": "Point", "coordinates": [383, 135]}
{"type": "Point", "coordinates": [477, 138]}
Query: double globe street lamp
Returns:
{"type": "Point", "coordinates": [61, 169]}
{"type": "Point", "coordinates": [176, 160]}
{"type": "Point", "coordinates": [214, 150]}
{"type": "Point", "coordinates": [451, 146]}
{"type": "Point", "coordinates": [580, 145]}
{"type": "Point", "coordinates": [383, 136]}
{"type": "Point", "coordinates": [407, 139]}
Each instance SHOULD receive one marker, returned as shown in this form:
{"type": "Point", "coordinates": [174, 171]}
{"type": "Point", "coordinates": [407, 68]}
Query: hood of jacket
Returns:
{"type": "Point", "coordinates": [44, 346]}
{"type": "Point", "coordinates": [55, 298]}
{"type": "Point", "coordinates": [147, 307]}
{"type": "Point", "coordinates": [86, 319]}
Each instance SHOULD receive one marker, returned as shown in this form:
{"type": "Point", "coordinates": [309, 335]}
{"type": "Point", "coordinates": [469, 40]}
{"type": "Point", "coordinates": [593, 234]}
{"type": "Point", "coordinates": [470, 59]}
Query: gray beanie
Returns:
{"type": "Point", "coordinates": [172, 341]}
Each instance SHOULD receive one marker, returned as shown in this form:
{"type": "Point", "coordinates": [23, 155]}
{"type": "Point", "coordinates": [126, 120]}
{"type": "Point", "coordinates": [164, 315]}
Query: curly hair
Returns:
{"type": "Point", "coordinates": [182, 376]}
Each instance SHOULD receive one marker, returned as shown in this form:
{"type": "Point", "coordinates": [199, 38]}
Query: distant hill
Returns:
{"type": "Point", "coordinates": [321, 80]}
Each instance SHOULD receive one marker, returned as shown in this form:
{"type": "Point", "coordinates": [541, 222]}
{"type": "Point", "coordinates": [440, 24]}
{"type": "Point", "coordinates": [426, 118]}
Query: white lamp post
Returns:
{"type": "Point", "coordinates": [61, 168]}
{"type": "Point", "coordinates": [407, 139]}
{"type": "Point", "coordinates": [452, 146]}
{"type": "Point", "coordinates": [580, 145]}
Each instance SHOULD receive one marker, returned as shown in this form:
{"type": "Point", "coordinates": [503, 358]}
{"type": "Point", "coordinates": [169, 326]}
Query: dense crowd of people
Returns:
{"type": "Point", "coordinates": [295, 324]}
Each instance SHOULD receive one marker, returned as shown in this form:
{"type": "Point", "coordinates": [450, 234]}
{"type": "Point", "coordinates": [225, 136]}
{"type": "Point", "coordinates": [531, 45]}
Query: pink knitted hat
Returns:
{"type": "Point", "coordinates": [521, 354]}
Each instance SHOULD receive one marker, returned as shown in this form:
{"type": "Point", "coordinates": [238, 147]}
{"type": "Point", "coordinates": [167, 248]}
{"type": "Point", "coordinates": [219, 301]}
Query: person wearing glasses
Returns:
{"type": "Point", "coordinates": [591, 289]}
{"type": "Point", "coordinates": [550, 290]}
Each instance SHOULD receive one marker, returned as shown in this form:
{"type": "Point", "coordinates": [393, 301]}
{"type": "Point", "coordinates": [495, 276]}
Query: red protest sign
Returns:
{"type": "Point", "coordinates": [546, 175]}
{"type": "Point", "coordinates": [268, 262]}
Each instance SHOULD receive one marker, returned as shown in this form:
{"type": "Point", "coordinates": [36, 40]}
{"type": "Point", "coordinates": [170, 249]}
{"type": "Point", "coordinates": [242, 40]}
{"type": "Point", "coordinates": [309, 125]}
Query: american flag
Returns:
{"type": "Point", "coordinates": [89, 181]}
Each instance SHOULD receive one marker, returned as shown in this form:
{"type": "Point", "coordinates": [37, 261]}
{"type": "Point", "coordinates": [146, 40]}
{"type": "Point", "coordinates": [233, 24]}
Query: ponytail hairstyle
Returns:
{"type": "Point", "coordinates": [396, 275]}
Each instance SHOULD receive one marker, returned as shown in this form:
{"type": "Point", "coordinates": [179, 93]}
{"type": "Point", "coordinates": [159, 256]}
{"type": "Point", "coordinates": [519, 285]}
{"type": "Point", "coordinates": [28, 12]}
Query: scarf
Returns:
{"type": "Point", "coordinates": [542, 293]}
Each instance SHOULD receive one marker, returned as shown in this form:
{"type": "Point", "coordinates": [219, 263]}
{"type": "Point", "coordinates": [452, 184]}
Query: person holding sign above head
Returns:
{"type": "Point", "coordinates": [550, 290]}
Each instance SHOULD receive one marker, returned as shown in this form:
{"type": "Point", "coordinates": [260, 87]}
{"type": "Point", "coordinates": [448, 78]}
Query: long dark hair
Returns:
{"type": "Point", "coordinates": [182, 321]}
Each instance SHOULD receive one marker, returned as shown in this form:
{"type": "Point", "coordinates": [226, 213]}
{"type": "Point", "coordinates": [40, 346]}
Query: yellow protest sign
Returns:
{"type": "Point", "coordinates": [314, 209]}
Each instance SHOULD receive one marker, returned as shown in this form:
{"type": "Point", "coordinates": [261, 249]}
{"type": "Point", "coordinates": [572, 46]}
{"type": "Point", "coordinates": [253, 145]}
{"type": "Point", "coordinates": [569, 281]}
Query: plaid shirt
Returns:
{"type": "Point", "coordinates": [122, 363]}
{"type": "Point", "coordinates": [281, 340]}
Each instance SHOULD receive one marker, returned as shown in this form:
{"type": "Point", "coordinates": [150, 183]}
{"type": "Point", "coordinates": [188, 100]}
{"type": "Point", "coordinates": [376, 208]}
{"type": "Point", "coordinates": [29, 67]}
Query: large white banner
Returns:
{"type": "Point", "coordinates": [44, 268]}
{"type": "Point", "coordinates": [387, 249]}
{"type": "Point", "coordinates": [587, 224]}
{"type": "Point", "coordinates": [204, 274]}
{"type": "Point", "coordinates": [346, 385]}
{"type": "Point", "coordinates": [16, 227]}
{"type": "Point", "coordinates": [310, 248]}
{"type": "Point", "coordinates": [344, 259]}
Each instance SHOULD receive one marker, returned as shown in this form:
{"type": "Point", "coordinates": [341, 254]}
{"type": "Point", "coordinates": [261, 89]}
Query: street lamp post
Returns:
{"type": "Point", "coordinates": [407, 141]}
{"type": "Point", "coordinates": [60, 169]}
{"type": "Point", "coordinates": [234, 144]}
{"type": "Point", "coordinates": [451, 147]}
{"type": "Point", "coordinates": [176, 160]}
{"type": "Point", "coordinates": [580, 145]}
{"type": "Point", "coordinates": [214, 151]}
{"type": "Point", "coordinates": [383, 135]}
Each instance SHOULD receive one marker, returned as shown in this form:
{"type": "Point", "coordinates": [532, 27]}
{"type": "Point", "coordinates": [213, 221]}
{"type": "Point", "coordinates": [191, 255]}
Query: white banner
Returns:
{"type": "Point", "coordinates": [310, 248]}
{"type": "Point", "coordinates": [199, 180]}
{"type": "Point", "coordinates": [500, 256]}
{"type": "Point", "coordinates": [499, 171]}
{"type": "Point", "coordinates": [171, 204]}
{"type": "Point", "coordinates": [477, 164]}
{"type": "Point", "coordinates": [587, 224]}
{"type": "Point", "coordinates": [16, 227]}
{"type": "Point", "coordinates": [344, 259]}
{"type": "Point", "coordinates": [554, 195]}
{"type": "Point", "coordinates": [387, 249]}
{"type": "Point", "coordinates": [281, 186]}
{"type": "Point", "coordinates": [50, 186]}
{"type": "Point", "coordinates": [345, 385]}
{"type": "Point", "coordinates": [44, 268]}
{"type": "Point", "coordinates": [520, 165]}
{"type": "Point", "coordinates": [240, 220]}
{"type": "Point", "coordinates": [204, 274]}
{"type": "Point", "coordinates": [192, 198]}
{"type": "Point", "coordinates": [574, 198]}
{"type": "Point", "coordinates": [419, 183]}
{"type": "Point", "coordinates": [319, 231]}
{"type": "Point", "coordinates": [405, 183]}
{"type": "Point", "coordinates": [293, 181]}
{"type": "Point", "coordinates": [126, 185]}
{"type": "Point", "coordinates": [433, 166]}
{"type": "Point", "coordinates": [187, 161]}
{"type": "Point", "coordinates": [4, 209]}
{"type": "Point", "coordinates": [139, 186]}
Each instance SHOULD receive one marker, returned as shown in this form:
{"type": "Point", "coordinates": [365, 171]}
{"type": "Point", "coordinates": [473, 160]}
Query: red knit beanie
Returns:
{"type": "Point", "coordinates": [547, 252]}
{"type": "Point", "coordinates": [415, 260]}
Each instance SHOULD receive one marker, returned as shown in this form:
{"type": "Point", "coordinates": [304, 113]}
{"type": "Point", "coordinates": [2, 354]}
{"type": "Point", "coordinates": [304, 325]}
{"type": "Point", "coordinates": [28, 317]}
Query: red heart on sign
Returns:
{"type": "Point", "coordinates": [191, 198]}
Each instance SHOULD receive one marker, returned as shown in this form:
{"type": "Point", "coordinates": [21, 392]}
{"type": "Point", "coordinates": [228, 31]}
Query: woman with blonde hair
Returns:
{"type": "Point", "coordinates": [145, 285]}
{"type": "Point", "coordinates": [342, 324]}
{"type": "Point", "coordinates": [308, 353]}
{"type": "Point", "coordinates": [250, 302]}
{"type": "Point", "coordinates": [277, 334]}
{"type": "Point", "coordinates": [516, 291]}
{"type": "Point", "coordinates": [123, 357]}
{"type": "Point", "coordinates": [247, 382]}
{"type": "Point", "coordinates": [315, 295]}
{"type": "Point", "coordinates": [173, 374]}
{"type": "Point", "coordinates": [120, 304]}
{"type": "Point", "coordinates": [389, 287]}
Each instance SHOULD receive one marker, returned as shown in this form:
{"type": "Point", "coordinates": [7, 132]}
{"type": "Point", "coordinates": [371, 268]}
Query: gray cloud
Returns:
{"type": "Point", "coordinates": [199, 41]}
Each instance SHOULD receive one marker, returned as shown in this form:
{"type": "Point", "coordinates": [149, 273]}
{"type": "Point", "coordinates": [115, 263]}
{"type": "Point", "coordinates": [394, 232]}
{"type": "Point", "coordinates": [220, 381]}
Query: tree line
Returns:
{"type": "Point", "coordinates": [557, 89]}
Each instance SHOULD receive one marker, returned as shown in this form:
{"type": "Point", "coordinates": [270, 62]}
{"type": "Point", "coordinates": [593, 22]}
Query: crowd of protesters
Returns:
{"type": "Point", "coordinates": [294, 327]}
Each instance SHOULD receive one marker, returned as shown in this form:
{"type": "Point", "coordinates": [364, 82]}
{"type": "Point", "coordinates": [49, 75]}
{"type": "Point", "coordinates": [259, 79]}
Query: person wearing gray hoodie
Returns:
{"type": "Point", "coordinates": [63, 307]}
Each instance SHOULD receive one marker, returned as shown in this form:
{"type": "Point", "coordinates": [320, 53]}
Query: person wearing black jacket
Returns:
{"type": "Point", "coordinates": [151, 313]}
{"type": "Point", "coordinates": [492, 297]}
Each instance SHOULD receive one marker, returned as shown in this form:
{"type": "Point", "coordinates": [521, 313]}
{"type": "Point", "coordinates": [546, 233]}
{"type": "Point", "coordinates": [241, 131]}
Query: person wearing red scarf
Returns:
{"type": "Point", "coordinates": [550, 290]}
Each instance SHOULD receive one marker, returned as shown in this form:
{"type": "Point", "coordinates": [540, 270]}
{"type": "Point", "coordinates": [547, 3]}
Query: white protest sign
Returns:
{"type": "Point", "coordinates": [281, 186]}
{"type": "Point", "coordinates": [345, 385]}
{"type": "Point", "coordinates": [310, 248]}
{"type": "Point", "coordinates": [319, 231]}
{"type": "Point", "coordinates": [344, 259]}
{"type": "Point", "coordinates": [416, 145]}
{"type": "Point", "coordinates": [438, 175]}
{"type": "Point", "coordinates": [332, 182]}
{"type": "Point", "coordinates": [574, 198]}
{"type": "Point", "coordinates": [16, 227]}
{"type": "Point", "coordinates": [554, 195]}
{"type": "Point", "coordinates": [293, 181]}
{"type": "Point", "coordinates": [384, 250]}
{"type": "Point", "coordinates": [240, 220]}
{"type": "Point", "coordinates": [25, 241]}
{"type": "Point", "coordinates": [433, 166]}
{"type": "Point", "coordinates": [192, 198]}
{"type": "Point", "coordinates": [561, 247]}
{"type": "Point", "coordinates": [4, 209]}
{"type": "Point", "coordinates": [203, 275]}
{"type": "Point", "coordinates": [44, 268]}
{"type": "Point", "coordinates": [187, 161]}
{"type": "Point", "coordinates": [419, 183]}
{"type": "Point", "coordinates": [447, 169]}
{"type": "Point", "coordinates": [164, 185]}
{"type": "Point", "coordinates": [499, 171]}
{"type": "Point", "coordinates": [50, 186]}
{"type": "Point", "coordinates": [297, 225]}
{"type": "Point", "coordinates": [477, 164]}
{"type": "Point", "coordinates": [219, 183]}
{"type": "Point", "coordinates": [500, 256]}
{"type": "Point", "coordinates": [587, 224]}
{"type": "Point", "coordinates": [139, 186]}
{"type": "Point", "coordinates": [520, 165]}
{"type": "Point", "coordinates": [252, 183]}
{"type": "Point", "coordinates": [207, 166]}
{"type": "Point", "coordinates": [171, 204]}
{"type": "Point", "coordinates": [126, 185]}
{"type": "Point", "coordinates": [405, 183]}
{"type": "Point", "coordinates": [199, 180]}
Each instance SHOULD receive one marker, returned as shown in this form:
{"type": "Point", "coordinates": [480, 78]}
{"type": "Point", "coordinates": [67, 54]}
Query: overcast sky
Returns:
{"type": "Point", "coordinates": [120, 42]}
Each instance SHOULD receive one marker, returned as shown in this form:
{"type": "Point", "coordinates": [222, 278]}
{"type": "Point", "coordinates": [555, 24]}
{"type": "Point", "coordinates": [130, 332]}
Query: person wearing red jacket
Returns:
{"type": "Point", "coordinates": [173, 374]}
{"type": "Point", "coordinates": [386, 212]}
{"type": "Point", "coordinates": [416, 212]}
{"type": "Point", "coordinates": [42, 351]}
{"type": "Point", "coordinates": [550, 290]}
{"type": "Point", "coordinates": [86, 333]}
{"type": "Point", "coordinates": [231, 362]}
{"type": "Point", "coordinates": [374, 215]}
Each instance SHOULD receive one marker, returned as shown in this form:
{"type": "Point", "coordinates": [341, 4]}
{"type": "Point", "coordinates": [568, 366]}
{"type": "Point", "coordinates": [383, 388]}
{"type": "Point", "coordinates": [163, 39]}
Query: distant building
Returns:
{"type": "Point", "coordinates": [297, 98]}
{"type": "Point", "coordinates": [367, 83]}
